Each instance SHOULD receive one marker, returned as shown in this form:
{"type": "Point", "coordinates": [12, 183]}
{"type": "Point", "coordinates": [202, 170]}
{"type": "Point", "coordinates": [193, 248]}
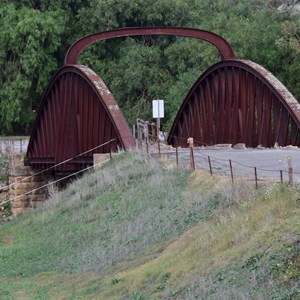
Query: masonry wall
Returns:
{"type": "Point", "coordinates": [4, 195]}
{"type": "Point", "coordinates": [27, 190]}
{"type": "Point", "coordinates": [24, 189]}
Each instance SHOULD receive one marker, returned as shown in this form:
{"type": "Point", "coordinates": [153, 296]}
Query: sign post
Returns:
{"type": "Point", "coordinates": [158, 112]}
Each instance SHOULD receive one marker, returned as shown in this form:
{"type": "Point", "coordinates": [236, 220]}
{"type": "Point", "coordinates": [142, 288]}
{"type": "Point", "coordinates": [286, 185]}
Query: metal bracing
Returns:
{"type": "Point", "coordinates": [234, 101]}
{"type": "Point", "coordinates": [237, 101]}
{"type": "Point", "coordinates": [77, 113]}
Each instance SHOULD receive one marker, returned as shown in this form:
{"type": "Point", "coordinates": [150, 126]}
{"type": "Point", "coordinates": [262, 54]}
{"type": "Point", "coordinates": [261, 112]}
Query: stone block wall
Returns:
{"type": "Point", "coordinates": [25, 189]}
{"type": "Point", "coordinates": [4, 192]}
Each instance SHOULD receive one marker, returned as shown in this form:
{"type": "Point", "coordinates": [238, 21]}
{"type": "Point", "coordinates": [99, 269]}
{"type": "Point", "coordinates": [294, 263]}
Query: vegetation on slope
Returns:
{"type": "Point", "coordinates": [137, 229]}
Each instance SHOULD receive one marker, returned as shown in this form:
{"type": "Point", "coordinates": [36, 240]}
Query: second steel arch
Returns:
{"type": "Point", "coordinates": [237, 101]}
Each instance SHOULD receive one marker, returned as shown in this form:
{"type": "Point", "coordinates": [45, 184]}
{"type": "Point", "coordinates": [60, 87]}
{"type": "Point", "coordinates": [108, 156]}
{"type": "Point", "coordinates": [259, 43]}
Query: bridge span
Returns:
{"type": "Point", "coordinates": [234, 101]}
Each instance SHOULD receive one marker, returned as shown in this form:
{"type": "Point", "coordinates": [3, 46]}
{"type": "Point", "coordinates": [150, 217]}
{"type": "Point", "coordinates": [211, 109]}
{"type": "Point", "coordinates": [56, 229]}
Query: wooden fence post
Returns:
{"type": "Point", "coordinates": [158, 145]}
{"type": "Point", "coordinates": [255, 174]}
{"type": "Point", "coordinates": [133, 131]}
{"type": "Point", "coordinates": [139, 133]}
{"type": "Point", "coordinates": [290, 170]}
{"type": "Point", "coordinates": [231, 172]}
{"type": "Point", "coordinates": [110, 150]}
{"type": "Point", "coordinates": [153, 131]}
{"type": "Point", "coordinates": [147, 146]}
{"type": "Point", "coordinates": [210, 168]}
{"type": "Point", "coordinates": [190, 141]}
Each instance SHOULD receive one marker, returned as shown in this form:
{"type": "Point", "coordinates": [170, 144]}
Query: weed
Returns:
{"type": "Point", "coordinates": [5, 212]}
{"type": "Point", "coordinates": [138, 296]}
{"type": "Point", "coordinates": [163, 282]}
{"type": "Point", "coordinates": [116, 280]}
{"type": "Point", "coordinates": [252, 262]}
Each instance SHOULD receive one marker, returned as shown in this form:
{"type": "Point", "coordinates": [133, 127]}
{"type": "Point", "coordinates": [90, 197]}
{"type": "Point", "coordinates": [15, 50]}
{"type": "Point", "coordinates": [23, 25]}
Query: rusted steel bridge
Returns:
{"type": "Point", "coordinates": [238, 101]}
{"type": "Point", "coordinates": [234, 101]}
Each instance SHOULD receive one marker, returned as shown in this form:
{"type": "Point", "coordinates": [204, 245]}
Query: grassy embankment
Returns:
{"type": "Point", "coordinates": [138, 230]}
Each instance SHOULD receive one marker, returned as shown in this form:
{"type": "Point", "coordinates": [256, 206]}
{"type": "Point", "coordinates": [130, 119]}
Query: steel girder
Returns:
{"type": "Point", "coordinates": [74, 51]}
{"type": "Point", "coordinates": [237, 101]}
{"type": "Point", "coordinates": [233, 101]}
{"type": "Point", "coordinates": [77, 113]}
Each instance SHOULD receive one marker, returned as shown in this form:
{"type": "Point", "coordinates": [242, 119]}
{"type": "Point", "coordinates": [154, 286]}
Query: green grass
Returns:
{"type": "Point", "coordinates": [110, 215]}
{"type": "Point", "coordinates": [138, 229]}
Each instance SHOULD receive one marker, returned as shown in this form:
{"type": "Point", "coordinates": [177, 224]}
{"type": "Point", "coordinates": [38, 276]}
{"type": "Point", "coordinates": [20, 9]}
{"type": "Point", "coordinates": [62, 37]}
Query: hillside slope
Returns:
{"type": "Point", "coordinates": [137, 229]}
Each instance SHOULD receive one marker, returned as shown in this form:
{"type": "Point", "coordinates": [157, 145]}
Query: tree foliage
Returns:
{"type": "Point", "coordinates": [29, 40]}
{"type": "Point", "coordinates": [35, 35]}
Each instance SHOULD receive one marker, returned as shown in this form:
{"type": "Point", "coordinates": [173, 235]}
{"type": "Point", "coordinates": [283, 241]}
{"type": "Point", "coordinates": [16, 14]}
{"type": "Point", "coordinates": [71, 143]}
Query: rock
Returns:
{"type": "Point", "coordinates": [219, 147]}
{"type": "Point", "coordinates": [292, 147]}
{"type": "Point", "coordinates": [239, 146]}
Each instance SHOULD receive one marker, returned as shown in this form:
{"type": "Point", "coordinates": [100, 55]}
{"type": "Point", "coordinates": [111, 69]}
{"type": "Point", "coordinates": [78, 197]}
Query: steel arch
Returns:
{"type": "Point", "coordinates": [77, 113]}
{"type": "Point", "coordinates": [74, 51]}
{"type": "Point", "coordinates": [237, 101]}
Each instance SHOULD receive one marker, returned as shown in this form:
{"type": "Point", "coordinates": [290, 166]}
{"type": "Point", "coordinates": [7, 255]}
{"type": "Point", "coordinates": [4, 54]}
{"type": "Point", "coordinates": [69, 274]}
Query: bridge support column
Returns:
{"type": "Point", "coordinates": [25, 189]}
{"type": "Point", "coordinates": [99, 159]}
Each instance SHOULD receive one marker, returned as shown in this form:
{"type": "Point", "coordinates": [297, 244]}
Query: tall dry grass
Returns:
{"type": "Point", "coordinates": [141, 230]}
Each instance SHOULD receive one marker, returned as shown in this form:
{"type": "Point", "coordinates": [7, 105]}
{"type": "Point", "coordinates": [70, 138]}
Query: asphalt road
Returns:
{"type": "Point", "coordinates": [268, 162]}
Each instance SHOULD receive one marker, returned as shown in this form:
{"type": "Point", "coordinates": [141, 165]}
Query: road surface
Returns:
{"type": "Point", "coordinates": [268, 162]}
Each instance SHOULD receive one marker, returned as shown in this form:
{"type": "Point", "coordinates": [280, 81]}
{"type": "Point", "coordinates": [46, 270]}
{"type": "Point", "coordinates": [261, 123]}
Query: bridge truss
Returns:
{"type": "Point", "coordinates": [234, 101]}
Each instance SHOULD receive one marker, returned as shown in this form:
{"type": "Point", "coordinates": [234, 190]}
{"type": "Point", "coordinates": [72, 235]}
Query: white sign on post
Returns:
{"type": "Point", "coordinates": [158, 112]}
{"type": "Point", "coordinates": [158, 109]}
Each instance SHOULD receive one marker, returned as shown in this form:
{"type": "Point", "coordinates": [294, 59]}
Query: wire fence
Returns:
{"type": "Point", "coordinates": [54, 182]}
{"type": "Point", "coordinates": [194, 157]}
{"type": "Point", "coordinates": [9, 186]}
{"type": "Point", "coordinates": [201, 159]}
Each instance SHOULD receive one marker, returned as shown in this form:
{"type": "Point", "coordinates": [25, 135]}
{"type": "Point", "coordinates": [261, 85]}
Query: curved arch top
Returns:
{"type": "Point", "coordinates": [74, 51]}
{"type": "Point", "coordinates": [78, 113]}
{"type": "Point", "coordinates": [237, 101]}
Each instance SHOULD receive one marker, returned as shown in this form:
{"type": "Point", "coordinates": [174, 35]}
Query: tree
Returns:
{"type": "Point", "coordinates": [29, 40]}
{"type": "Point", "coordinates": [35, 35]}
{"type": "Point", "coordinates": [137, 70]}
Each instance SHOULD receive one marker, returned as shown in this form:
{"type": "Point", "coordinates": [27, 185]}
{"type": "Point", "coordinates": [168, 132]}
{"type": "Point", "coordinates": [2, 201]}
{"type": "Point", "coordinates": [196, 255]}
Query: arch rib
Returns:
{"type": "Point", "coordinates": [238, 101]}
{"type": "Point", "coordinates": [74, 51]}
{"type": "Point", "coordinates": [77, 113]}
